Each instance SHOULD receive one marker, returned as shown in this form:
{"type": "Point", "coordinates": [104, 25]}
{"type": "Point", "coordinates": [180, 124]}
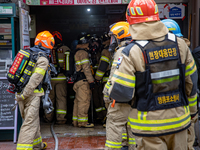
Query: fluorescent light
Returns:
{"type": "Point", "coordinates": [88, 9]}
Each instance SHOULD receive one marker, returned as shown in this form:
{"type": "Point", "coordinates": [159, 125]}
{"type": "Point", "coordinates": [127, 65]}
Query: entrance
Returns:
{"type": "Point", "coordinates": [71, 21]}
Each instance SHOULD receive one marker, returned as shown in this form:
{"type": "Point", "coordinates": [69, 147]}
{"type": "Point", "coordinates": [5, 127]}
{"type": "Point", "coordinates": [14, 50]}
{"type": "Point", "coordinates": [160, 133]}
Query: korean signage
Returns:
{"type": "Point", "coordinates": [6, 10]}
{"type": "Point", "coordinates": [173, 11]}
{"type": "Point", "coordinates": [25, 29]}
{"type": "Point", "coordinates": [77, 2]}
{"type": "Point", "coordinates": [72, 2]}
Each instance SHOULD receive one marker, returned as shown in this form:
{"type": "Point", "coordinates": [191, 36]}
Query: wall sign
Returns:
{"type": "Point", "coordinates": [8, 118]}
{"type": "Point", "coordinates": [173, 11]}
{"type": "Point", "coordinates": [72, 2]}
{"type": "Point", "coordinates": [25, 28]}
{"type": "Point", "coordinates": [6, 10]}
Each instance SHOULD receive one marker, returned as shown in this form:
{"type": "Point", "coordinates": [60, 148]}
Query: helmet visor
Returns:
{"type": "Point", "coordinates": [113, 43]}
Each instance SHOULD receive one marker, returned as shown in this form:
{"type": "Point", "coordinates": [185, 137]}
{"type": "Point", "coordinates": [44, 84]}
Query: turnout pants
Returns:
{"type": "Point", "coordinates": [191, 133]}
{"type": "Point", "coordinates": [177, 141]}
{"type": "Point", "coordinates": [98, 102]}
{"type": "Point", "coordinates": [128, 139]}
{"type": "Point", "coordinates": [117, 118]}
{"type": "Point", "coordinates": [58, 96]}
{"type": "Point", "coordinates": [81, 103]}
{"type": "Point", "coordinates": [30, 136]}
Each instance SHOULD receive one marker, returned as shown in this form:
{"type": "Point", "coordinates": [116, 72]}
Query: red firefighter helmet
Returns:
{"type": "Point", "coordinates": [139, 11]}
{"type": "Point", "coordinates": [45, 39]}
{"type": "Point", "coordinates": [57, 34]}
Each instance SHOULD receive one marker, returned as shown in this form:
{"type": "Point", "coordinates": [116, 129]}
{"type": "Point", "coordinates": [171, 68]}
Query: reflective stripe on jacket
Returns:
{"type": "Point", "coordinates": [103, 65]}
{"type": "Point", "coordinates": [83, 64]}
{"type": "Point", "coordinates": [37, 77]}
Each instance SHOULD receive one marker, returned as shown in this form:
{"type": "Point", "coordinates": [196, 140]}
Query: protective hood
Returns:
{"type": "Point", "coordinates": [187, 41]}
{"type": "Point", "coordinates": [124, 43]}
{"type": "Point", "coordinates": [83, 46]}
{"type": "Point", "coordinates": [37, 50]}
{"type": "Point", "coordinates": [148, 30]}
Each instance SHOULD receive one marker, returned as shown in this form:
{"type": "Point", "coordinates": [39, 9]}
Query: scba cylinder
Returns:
{"type": "Point", "coordinates": [18, 66]}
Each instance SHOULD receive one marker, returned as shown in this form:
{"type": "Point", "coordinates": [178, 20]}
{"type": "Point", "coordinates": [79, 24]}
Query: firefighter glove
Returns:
{"type": "Point", "coordinates": [97, 82]}
{"type": "Point", "coordinates": [92, 84]}
{"type": "Point", "coordinates": [19, 97]}
{"type": "Point", "coordinates": [107, 99]}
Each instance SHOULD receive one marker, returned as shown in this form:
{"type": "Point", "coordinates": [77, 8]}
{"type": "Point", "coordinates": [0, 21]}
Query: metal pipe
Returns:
{"type": "Point", "coordinates": [54, 135]}
{"type": "Point", "coordinates": [195, 23]}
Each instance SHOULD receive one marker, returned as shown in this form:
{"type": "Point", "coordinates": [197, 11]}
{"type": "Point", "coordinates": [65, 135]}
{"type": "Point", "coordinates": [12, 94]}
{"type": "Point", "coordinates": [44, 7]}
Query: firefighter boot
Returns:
{"type": "Point", "coordinates": [124, 148]}
{"type": "Point", "coordinates": [44, 145]}
{"type": "Point", "coordinates": [89, 125]}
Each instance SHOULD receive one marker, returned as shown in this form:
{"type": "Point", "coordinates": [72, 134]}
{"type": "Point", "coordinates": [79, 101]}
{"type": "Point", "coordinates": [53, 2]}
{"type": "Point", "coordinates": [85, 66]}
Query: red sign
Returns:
{"type": "Point", "coordinates": [72, 2]}
{"type": "Point", "coordinates": [56, 2]}
{"type": "Point", "coordinates": [27, 47]}
{"type": "Point", "coordinates": [5, 30]}
{"type": "Point", "coordinates": [84, 2]}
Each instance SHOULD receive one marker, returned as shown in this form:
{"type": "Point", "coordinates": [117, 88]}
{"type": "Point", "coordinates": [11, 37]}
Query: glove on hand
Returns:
{"type": "Point", "coordinates": [19, 97]}
{"type": "Point", "coordinates": [22, 96]}
{"type": "Point", "coordinates": [97, 82]}
{"type": "Point", "coordinates": [107, 100]}
{"type": "Point", "coordinates": [92, 84]}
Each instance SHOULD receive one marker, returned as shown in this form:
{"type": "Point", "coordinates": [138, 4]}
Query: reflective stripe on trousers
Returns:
{"type": "Point", "coordinates": [24, 146]}
{"type": "Point", "coordinates": [80, 119]}
{"type": "Point", "coordinates": [111, 144]}
{"type": "Point", "coordinates": [61, 111]}
{"type": "Point", "coordinates": [37, 141]}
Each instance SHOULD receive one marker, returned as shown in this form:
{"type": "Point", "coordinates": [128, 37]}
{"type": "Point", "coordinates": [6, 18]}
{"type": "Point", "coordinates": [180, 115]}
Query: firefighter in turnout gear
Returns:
{"type": "Point", "coordinates": [84, 83]}
{"type": "Point", "coordinates": [29, 99]}
{"type": "Point", "coordinates": [174, 28]}
{"type": "Point", "coordinates": [158, 69]}
{"type": "Point", "coordinates": [101, 76]}
{"type": "Point", "coordinates": [58, 94]}
{"type": "Point", "coordinates": [105, 53]}
{"type": "Point", "coordinates": [118, 135]}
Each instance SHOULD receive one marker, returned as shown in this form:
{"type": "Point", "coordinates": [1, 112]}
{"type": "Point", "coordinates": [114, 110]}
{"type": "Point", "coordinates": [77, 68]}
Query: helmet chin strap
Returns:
{"type": "Point", "coordinates": [119, 46]}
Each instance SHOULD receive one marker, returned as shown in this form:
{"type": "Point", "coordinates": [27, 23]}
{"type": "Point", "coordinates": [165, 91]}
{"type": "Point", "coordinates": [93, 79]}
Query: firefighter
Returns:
{"type": "Point", "coordinates": [30, 136]}
{"type": "Point", "coordinates": [174, 28]}
{"type": "Point", "coordinates": [83, 85]}
{"type": "Point", "coordinates": [157, 68]}
{"type": "Point", "coordinates": [95, 54]}
{"type": "Point", "coordinates": [117, 133]}
{"type": "Point", "coordinates": [101, 75]}
{"type": "Point", "coordinates": [58, 94]}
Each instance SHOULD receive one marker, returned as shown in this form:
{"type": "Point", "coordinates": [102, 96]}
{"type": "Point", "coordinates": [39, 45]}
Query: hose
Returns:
{"type": "Point", "coordinates": [54, 136]}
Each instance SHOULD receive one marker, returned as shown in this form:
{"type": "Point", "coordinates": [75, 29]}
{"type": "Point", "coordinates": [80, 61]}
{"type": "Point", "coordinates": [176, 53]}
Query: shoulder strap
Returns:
{"type": "Point", "coordinates": [127, 49]}
{"type": "Point", "coordinates": [40, 54]}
